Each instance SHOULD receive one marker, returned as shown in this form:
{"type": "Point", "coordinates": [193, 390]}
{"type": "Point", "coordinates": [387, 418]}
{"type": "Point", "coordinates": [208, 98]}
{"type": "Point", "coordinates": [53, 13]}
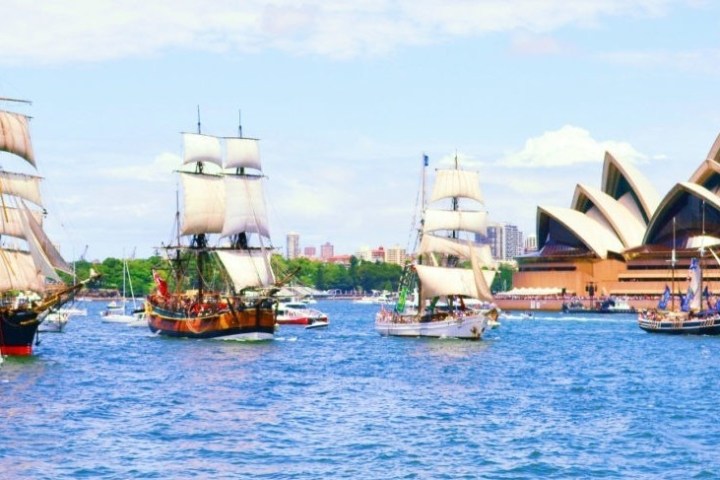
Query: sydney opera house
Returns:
{"type": "Point", "coordinates": [619, 239]}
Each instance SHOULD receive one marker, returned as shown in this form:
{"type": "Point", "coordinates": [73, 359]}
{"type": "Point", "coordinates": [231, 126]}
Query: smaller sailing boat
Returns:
{"type": "Point", "coordinates": [115, 313]}
{"type": "Point", "coordinates": [30, 286]}
{"type": "Point", "coordinates": [693, 318]}
{"type": "Point", "coordinates": [220, 282]}
{"type": "Point", "coordinates": [448, 268]}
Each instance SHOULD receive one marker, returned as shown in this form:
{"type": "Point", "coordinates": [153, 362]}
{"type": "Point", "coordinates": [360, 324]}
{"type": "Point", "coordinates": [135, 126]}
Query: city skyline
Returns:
{"type": "Point", "coordinates": [347, 100]}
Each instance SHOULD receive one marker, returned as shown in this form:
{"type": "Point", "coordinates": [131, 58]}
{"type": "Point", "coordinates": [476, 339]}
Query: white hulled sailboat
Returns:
{"type": "Point", "coordinates": [449, 277]}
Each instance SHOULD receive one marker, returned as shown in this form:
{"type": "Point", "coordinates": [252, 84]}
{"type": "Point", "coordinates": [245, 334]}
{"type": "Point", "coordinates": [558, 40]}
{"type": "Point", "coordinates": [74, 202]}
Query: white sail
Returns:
{"type": "Point", "coordinates": [695, 277]}
{"type": "Point", "coordinates": [204, 202]}
{"type": "Point", "coordinates": [247, 268]}
{"type": "Point", "coordinates": [245, 206]}
{"type": "Point", "coordinates": [11, 222]}
{"type": "Point", "coordinates": [481, 279]}
{"type": "Point", "coordinates": [440, 281]}
{"type": "Point", "coordinates": [18, 272]}
{"type": "Point", "coordinates": [469, 221]}
{"type": "Point", "coordinates": [15, 136]}
{"type": "Point", "coordinates": [201, 148]}
{"type": "Point", "coordinates": [21, 185]}
{"type": "Point", "coordinates": [242, 153]}
{"type": "Point", "coordinates": [456, 183]}
{"type": "Point", "coordinates": [36, 236]}
{"type": "Point", "coordinates": [489, 276]}
{"type": "Point", "coordinates": [457, 248]}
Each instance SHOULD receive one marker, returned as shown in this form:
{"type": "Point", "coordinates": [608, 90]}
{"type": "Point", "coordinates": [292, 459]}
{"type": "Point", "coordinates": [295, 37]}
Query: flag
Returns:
{"type": "Point", "coordinates": [685, 301]}
{"type": "Point", "coordinates": [400, 305]}
{"type": "Point", "coordinates": [426, 160]}
{"type": "Point", "coordinates": [662, 305]}
{"type": "Point", "coordinates": [161, 285]}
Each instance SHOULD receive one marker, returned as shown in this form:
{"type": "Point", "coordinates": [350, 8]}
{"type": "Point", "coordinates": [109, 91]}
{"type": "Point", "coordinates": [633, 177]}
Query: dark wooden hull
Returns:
{"type": "Point", "coordinates": [17, 332]}
{"type": "Point", "coordinates": [709, 325]}
{"type": "Point", "coordinates": [248, 323]}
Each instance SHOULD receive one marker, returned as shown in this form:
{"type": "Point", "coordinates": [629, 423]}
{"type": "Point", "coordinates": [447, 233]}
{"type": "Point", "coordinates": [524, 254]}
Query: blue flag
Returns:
{"type": "Point", "coordinates": [685, 301]}
{"type": "Point", "coordinates": [426, 160]}
{"type": "Point", "coordinates": [662, 305]}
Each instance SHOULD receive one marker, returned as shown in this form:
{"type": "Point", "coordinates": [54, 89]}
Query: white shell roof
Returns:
{"type": "Point", "coordinates": [595, 236]}
{"type": "Point", "coordinates": [661, 215]}
{"type": "Point", "coordinates": [614, 169]}
{"type": "Point", "coordinates": [711, 165]}
{"type": "Point", "coordinates": [626, 226]}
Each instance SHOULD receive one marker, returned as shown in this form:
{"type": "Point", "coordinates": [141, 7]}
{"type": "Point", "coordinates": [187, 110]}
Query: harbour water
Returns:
{"type": "Point", "coordinates": [552, 397]}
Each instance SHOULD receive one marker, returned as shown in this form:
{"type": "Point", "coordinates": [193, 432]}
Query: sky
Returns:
{"type": "Point", "coordinates": [346, 97]}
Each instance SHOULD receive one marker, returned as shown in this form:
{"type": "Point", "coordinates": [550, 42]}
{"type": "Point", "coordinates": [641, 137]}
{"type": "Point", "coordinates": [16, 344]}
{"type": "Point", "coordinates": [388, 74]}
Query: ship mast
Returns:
{"type": "Point", "coordinates": [199, 240]}
{"type": "Point", "coordinates": [421, 299]}
{"type": "Point", "coordinates": [239, 241]}
{"type": "Point", "coordinates": [702, 254]}
{"type": "Point", "coordinates": [673, 261]}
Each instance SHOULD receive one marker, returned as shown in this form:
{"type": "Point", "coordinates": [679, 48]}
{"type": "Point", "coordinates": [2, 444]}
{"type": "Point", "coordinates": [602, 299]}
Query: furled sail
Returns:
{"type": "Point", "coordinates": [18, 272]}
{"type": "Point", "coordinates": [201, 148]}
{"type": "Point", "coordinates": [247, 268]}
{"type": "Point", "coordinates": [469, 221]}
{"type": "Point", "coordinates": [204, 202]}
{"type": "Point", "coordinates": [21, 185]}
{"type": "Point", "coordinates": [245, 206]}
{"type": "Point", "coordinates": [15, 135]}
{"type": "Point", "coordinates": [456, 183]}
{"type": "Point", "coordinates": [242, 153]}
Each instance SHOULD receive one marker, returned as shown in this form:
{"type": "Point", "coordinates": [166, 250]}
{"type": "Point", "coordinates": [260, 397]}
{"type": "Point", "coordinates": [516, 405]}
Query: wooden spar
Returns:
{"type": "Point", "coordinates": [16, 100]}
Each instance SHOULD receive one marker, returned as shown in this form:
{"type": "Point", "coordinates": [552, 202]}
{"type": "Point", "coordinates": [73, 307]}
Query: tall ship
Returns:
{"type": "Point", "coordinates": [30, 285]}
{"type": "Point", "coordinates": [219, 282]}
{"type": "Point", "coordinates": [445, 291]}
{"type": "Point", "coordinates": [695, 315]}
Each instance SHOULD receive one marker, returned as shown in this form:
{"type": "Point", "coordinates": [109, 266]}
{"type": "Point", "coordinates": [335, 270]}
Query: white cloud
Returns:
{"type": "Point", "coordinates": [96, 30]}
{"type": "Point", "coordinates": [160, 170]}
{"type": "Point", "coordinates": [699, 61]}
{"type": "Point", "coordinates": [567, 146]}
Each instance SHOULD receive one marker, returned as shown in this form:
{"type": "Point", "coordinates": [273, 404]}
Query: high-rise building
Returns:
{"type": "Point", "coordinates": [395, 255]}
{"type": "Point", "coordinates": [310, 252]}
{"type": "Point", "coordinates": [496, 239]}
{"type": "Point", "coordinates": [327, 251]}
{"type": "Point", "coordinates": [292, 249]}
{"type": "Point", "coordinates": [531, 244]}
{"type": "Point", "coordinates": [513, 242]}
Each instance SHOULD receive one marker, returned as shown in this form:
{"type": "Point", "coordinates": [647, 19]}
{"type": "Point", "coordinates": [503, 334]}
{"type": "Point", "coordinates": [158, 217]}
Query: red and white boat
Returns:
{"type": "Point", "coordinates": [298, 313]}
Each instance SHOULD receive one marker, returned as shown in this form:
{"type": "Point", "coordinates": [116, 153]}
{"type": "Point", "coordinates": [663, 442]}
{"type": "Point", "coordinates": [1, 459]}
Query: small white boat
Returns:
{"type": "Point", "coordinates": [53, 321]}
{"type": "Point", "coordinates": [138, 320]}
{"type": "Point", "coordinates": [319, 324]}
{"type": "Point", "coordinates": [298, 313]}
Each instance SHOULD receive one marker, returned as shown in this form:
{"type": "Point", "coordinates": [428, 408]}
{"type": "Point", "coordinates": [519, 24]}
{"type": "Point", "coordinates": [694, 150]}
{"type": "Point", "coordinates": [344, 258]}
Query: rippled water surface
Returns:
{"type": "Point", "coordinates": [552, 397]}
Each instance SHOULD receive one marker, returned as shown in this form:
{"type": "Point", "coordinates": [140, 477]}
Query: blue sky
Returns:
{"type": "Point", "coordinates": [346, 97]}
